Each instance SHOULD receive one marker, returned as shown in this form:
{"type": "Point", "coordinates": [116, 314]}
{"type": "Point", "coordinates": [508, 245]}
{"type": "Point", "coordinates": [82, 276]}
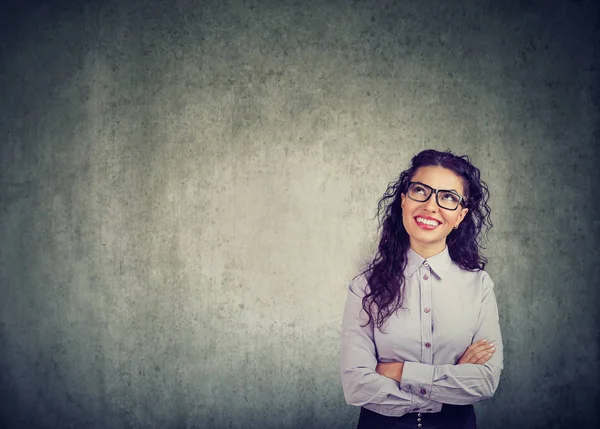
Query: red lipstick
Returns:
{"type": "Point", "coordinates": [424, 225]}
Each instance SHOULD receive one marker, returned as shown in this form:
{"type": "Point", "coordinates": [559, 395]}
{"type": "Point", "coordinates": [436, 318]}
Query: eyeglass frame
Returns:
{"type": "Point", "coordinates": [435, 191]}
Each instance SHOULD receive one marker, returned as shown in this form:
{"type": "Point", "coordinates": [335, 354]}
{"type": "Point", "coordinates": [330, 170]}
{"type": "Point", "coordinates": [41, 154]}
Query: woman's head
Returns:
{"type": "Point", "coordinates": [432, 207]}
{"type": "Point", "coordinates": [449, 172]}
{"type": "Point", "coordinates": [410, 215]}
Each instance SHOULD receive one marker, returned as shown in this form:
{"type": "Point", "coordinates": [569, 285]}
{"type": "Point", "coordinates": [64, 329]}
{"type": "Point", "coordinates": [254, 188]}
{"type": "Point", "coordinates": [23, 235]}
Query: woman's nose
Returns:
{"type": "Point", "coordinates": [431, 204]}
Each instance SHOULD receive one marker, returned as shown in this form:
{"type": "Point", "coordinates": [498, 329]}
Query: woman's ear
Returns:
{"type": "Point", "coordinates": [402, 197]}
{"type": "Point", "coordinates": [461, 216]}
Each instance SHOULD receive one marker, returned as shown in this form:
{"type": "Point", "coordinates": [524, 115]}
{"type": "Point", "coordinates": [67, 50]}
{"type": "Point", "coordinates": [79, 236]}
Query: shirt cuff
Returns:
{"type": "Point", "coordinates": [417, 378]}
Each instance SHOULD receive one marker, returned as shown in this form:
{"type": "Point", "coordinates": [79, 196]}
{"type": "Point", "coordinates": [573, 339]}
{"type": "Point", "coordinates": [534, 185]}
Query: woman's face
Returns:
{"type": "Point", "coordinates": [428, 224]}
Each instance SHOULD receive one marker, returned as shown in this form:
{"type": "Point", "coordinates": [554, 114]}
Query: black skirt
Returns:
{"type": "Point", "coordinates": [451, 417]}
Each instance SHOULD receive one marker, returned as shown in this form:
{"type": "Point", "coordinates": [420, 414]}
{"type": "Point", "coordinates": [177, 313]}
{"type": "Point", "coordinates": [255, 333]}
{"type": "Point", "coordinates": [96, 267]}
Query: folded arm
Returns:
{"type": "Point", "coordinates": [467, 383]}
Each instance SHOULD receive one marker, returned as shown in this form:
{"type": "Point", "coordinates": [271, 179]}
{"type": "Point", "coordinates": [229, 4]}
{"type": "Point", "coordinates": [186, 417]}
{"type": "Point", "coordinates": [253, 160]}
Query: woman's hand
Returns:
{"type": "Point", "coordinates": [478, 353]}
{"type": "Point", "coordinates": [391, 370]}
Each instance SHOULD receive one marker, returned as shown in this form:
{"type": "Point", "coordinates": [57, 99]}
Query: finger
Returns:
{"type": "Point", "coordinates": [475, 348]}
{"type": "Point", "coordinates": [486, 347]}
{"type": "Point", "coordinates": [479, 354]}
{"type": "Point", "coordinates": [477, 344]}
{"type": "Point", "coordinates": [484, 357]}
{"type": "Point", "coordinates": [483, 353]}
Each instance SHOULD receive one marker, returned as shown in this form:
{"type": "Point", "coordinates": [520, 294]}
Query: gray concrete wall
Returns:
{"type": "Point", "coordinates": [186, 189]}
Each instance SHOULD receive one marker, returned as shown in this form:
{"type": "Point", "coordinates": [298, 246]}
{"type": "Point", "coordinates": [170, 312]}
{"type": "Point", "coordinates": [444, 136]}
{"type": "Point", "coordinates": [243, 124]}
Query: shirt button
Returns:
{"type": "Point", "coordinates": [423, 391]}
{"type": "Point", "coordinates": [428, 345]}
{"type": "Point", "coordinates": [426, 263]}
{"type": "Point", "coordinates": [427, 309]}
{"type": "Point", "coordinates": [419, 425]}
{"type": "Point", "coordinates": [425, 277]}
{"type": "Point", "coordinates": [418, 420]}
{"type": "Point", "coordinates": [419, 415]}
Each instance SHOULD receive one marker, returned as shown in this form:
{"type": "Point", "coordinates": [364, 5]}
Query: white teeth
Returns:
{"type": "Point", "coordinates": [427, 221]}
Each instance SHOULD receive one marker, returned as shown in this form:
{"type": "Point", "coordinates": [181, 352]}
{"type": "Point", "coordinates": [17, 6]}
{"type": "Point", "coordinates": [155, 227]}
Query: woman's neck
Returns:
{"type": "Point", "coordinates": [426, 251]}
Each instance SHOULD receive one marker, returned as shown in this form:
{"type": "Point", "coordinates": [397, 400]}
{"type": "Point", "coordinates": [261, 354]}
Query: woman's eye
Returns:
{"type": "Point", "coordinates": [449, 196]}
{"type": "Point", "coordinates": [419, 190]}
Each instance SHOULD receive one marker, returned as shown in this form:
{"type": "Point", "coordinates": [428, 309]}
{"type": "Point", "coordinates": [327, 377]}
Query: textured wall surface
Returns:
{"type": "Point", "coordinates": [187, 187]}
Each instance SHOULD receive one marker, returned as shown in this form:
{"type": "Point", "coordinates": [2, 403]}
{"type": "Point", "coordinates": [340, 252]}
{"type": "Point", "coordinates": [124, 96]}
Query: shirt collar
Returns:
{"type": "Point", "coordinates": [439, 263]}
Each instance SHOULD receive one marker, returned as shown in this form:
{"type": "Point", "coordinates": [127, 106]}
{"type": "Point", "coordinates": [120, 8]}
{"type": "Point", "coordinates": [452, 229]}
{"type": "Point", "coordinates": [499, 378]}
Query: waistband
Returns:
{"type": "Point", "coordinates": [450, 417]}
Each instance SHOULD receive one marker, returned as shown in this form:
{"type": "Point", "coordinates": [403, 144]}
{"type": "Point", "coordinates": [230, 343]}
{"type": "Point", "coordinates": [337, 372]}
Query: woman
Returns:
{"type": "Point", "coordinates": [420, 336]}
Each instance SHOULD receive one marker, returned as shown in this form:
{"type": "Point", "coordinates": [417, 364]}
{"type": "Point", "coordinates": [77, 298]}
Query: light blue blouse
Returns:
{"type": "Point", "coordinates": [445, 310]}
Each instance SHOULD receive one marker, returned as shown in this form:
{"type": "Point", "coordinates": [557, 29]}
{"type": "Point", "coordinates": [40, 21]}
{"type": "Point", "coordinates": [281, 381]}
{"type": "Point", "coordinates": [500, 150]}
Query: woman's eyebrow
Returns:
{"type": "Point", "coordinates": [440, 189]}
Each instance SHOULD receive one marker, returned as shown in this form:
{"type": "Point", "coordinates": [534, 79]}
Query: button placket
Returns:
{"type": "Point", "coordinates": [426, 316]}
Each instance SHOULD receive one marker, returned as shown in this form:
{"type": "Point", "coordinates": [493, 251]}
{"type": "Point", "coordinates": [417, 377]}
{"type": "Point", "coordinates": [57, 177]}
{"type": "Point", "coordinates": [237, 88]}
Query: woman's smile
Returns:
{"type": "Point", "coordinates": [427, 223]}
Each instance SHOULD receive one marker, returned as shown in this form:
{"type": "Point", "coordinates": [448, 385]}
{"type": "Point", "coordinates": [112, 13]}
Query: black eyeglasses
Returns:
{"type": "Point", "coordinates": [449, 200]}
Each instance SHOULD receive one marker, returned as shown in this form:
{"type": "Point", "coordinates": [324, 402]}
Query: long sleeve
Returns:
{"type": "Point", "coordinates": [467, 383]}
{"type": "Point", "coordinates": [363, 386]}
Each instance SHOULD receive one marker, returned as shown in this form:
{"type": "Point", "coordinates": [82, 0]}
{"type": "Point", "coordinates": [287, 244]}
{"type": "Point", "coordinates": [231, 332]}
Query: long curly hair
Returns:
{"type": "Point", "coordinates": [385, 273]}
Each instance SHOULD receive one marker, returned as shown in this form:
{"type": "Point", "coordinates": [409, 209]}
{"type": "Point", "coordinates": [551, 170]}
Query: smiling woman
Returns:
{"type": "Point", "coordinates": [420, 339]}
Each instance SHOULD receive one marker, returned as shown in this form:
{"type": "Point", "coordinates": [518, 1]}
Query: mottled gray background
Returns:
{"type": "Point", "coordinates": [186, 189]}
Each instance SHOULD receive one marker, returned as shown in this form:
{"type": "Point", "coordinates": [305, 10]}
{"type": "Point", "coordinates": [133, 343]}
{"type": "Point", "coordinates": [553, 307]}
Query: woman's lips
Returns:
{"type": "Point", "coordinates": [426, 226]}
